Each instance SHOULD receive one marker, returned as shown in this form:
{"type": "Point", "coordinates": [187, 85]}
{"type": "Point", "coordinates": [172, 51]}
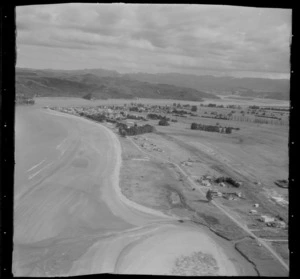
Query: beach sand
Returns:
{"type": "Point", "coordinates": [74, 220]}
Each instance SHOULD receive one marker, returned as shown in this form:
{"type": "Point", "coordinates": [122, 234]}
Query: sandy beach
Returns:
{"type": "Point", "coordinates": [72, 219]}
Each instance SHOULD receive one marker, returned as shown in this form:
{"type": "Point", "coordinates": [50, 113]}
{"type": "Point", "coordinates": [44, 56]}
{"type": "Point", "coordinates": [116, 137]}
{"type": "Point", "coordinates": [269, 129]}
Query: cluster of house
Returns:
{"type": "Point", "coordinates": [174, 109]}
{"type": "Point", "coordinates": [220, 106]}
{"type": "Point", "coordinates": [21, 99]}
{"type": "Point", "coordinates": [131, 112]}
{"type": "Point", "coordinates": [269, 221]}
{"type": "Point", "coordinates": [139, 107]}
{"type": "Point", "coordinates": [90, 111]}
{"type": "Point", "coordinates": [273, 222]}
{"type": "Point", "coordinates": [208, 181]}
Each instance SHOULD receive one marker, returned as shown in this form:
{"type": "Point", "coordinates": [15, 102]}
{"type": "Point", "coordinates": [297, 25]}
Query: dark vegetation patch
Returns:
{"type": "Point", "coordinates": [229, 230]}
{"type": "Point", "coordinates": [228, 180]}
{"type": "Point", "coordinates": [211, 220]}
{"type": "Point", "coordinates": [154, 116]}
{"type": "Point", "coordinates": [163, 122]}
{"type": "Point", "coordinates": [134, 130]}
{"type": "Point", "coordinates": [213, 128]}
{"type": "Point", "coordinates": [261, 258]}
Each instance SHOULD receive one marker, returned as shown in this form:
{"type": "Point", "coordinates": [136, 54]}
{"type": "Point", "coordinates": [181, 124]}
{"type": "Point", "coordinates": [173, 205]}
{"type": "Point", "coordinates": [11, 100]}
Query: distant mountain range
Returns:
{"type": "Point", "coordinates": [105, 84]}
{"type": "Point", "coordinates": [98, 84]}
{"type": "Point", "coordinates": [248, 87]}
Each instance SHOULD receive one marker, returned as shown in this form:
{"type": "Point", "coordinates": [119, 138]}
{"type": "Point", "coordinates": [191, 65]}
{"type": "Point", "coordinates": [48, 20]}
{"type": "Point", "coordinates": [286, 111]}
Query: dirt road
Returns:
{"type": "Point", "coordinates": [221, 208]}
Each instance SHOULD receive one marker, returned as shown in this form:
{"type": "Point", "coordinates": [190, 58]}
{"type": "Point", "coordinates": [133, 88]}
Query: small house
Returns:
{"type": "Point", "coordinates": [266, 219]}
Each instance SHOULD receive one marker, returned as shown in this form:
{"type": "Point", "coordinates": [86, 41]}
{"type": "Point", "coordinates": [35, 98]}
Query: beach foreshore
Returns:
{"type": "Point", "coordinates": [138, 208]}
{"type": "Point", "coordinates": [77, 217]}
{"type": "Point", "coordinates": [167, 239]}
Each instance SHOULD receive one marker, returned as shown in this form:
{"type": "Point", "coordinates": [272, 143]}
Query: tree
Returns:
{"type": "Point", "coordinates": [88, 96]}
{"type": "Point", "coordinates": [209, 195]}
{"type": "Point", "coordinates": [122, 132]}
{"type": "Point", "coordinates": [194, 126]}
{"type": "Point", "coordinates": [163, 122]}
{"type": "Point", "coordinates": [194, 108]}
{"type": "Point", "coordinates": [228, 130]}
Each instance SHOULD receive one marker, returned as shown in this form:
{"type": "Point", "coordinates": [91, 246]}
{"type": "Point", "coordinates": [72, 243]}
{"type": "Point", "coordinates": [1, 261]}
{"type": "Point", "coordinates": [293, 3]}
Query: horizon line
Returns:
{"type": "Point", "coordinates": [158, 73]}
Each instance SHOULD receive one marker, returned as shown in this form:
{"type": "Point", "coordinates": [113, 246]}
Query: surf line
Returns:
{"type": "Point", "coordinates": [35, 166]}
{"type": "Point", "coordinates": [32, 176]}
{"type": "Point", "coordinates": [59, 145]}
{"type": "Point", "coordinates": [62, 152]}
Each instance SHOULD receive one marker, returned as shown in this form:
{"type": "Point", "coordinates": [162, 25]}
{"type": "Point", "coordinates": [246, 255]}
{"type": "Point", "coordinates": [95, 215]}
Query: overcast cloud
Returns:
{"type": "Point", "coordinates": [192, 39]}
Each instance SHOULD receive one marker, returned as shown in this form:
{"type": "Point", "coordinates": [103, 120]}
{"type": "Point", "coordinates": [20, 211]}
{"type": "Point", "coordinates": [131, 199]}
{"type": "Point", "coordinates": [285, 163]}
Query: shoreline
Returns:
{"type": "Point", "coordinates": [116, 182]}
{"type": "Point", "coordinates": [133, 210]}
{"type": "Point", "coordinates": [116, 172]}
{"type": "Point", "coordinates": [210, 235]}
{"type": "Point", "coordinates": [221, 255]}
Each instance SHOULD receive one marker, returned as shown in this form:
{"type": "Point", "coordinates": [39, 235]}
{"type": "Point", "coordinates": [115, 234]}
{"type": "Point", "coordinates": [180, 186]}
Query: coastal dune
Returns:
{"type": "Point", "coordinates": [177, 251]}
{"type": "Point", "coordinates": [159, 250]}
{"type": "Point", "coordinates": [72, 219]}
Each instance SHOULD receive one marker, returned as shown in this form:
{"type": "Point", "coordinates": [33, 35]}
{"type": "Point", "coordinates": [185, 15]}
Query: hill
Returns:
{"type": "Point", "coordinates": [100, 84]}
{"type": "Point", "coordinates": [250, 87]}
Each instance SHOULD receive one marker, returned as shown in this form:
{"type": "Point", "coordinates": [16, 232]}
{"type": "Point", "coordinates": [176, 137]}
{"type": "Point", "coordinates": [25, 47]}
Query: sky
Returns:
{"type": "Point", "coordinates": [179, 38]}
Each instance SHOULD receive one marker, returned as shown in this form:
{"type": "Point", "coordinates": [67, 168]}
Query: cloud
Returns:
{"type": "Point", "coordinates": [224, 38]}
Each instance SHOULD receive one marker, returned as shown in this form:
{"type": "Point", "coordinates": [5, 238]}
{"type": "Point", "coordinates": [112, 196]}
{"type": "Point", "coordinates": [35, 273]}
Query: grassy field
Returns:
{"type": "Point", "coordinates": [148, 181]}
{"type": "Point", "coordinates": [256, 155]}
